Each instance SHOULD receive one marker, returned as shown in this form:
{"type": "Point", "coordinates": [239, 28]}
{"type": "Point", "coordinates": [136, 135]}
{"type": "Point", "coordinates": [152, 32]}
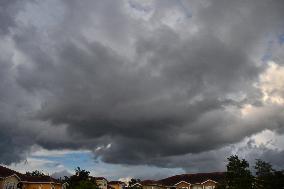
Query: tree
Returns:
{"type": "Point", "coordinates": [264, 175]}
{"type": "Point", "coordinates": [86, 184]}
{"type": "Point", "coordinates": [278, 179]}
{"type": "Point", "coordinates": [82, 174]}
{"type": "Point", "coordinates": [81, 180]}
{"type": "Point", "coordinates": [238, 175]}
{"type": "Point", "coordinates": [35, 173]}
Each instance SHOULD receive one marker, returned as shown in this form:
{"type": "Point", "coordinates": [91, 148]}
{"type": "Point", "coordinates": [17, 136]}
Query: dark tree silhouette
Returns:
{"type": "Point", "coordinates": [35, 173]}
{"type": "Point", "coordinates": [81, 180]}
{"type": "Point", "coordinates": [266, 177]}
{"type": "Point", "coordinates": [238, 175]}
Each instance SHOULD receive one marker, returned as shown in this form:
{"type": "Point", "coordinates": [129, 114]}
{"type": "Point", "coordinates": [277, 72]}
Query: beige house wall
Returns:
{"type": "Point", "coordinates": [116, 186]}
{"type": "Point", "coordinates": [209, 185]}
{"type": "Point", "coordinates": [102, 184]}
{"type": "Point", "coordinates": [153, 187]}
{"type": "Point", "coordinates": [9, 182]}
{"type": "Point", "coordinates": [30, 185]}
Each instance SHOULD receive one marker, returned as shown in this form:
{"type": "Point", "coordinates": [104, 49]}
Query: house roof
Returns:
{"type": "Point", "coordinates": [40, 179]}
{"type": "Point", "coordinates": [100, 178]}
{"type": "Point", "coordinates": [137, 183]}
{"type": "Point", "coordinates": [116, 182]}
{"type": "Point", "coordinates": [150, 182]}
{"type": "Point", "coordinates": [192, 178]}
{"type": "Point", "coordinates": [5, 172]}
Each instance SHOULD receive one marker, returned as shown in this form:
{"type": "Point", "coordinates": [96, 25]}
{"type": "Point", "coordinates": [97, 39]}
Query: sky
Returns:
{"type": "Point", "coordinates": [140, 88]}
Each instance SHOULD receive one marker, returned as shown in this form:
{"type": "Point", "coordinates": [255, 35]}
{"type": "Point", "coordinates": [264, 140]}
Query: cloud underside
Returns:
{"type": "Point", "coordinates": [139, 83]}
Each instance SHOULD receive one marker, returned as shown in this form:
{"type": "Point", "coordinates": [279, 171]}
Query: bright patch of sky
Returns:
{"type": "Point", "coordinates": [50, 161]}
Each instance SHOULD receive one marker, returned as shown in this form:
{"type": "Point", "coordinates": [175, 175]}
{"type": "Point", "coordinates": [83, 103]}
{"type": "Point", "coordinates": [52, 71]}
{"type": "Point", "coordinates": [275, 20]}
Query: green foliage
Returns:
{"type": "Point", "coordinates": [263, 168]}
{"type": "Point", "coordinates": [238, 175]}
{"type": "Point", "coordinates": [278, 179]}
{"type": "Point", "coordinates": [81, 180]}
{"type": "Point", "coordinates": [85, 184]}
{"type": "Point", "coordinates": [266, 177]}
{"type": "Point", "coordinates": [222, 185]}
{"type": "Point", "coordinates": [35, 173]}
{"type": "Point", "coordinates": [81, 174]}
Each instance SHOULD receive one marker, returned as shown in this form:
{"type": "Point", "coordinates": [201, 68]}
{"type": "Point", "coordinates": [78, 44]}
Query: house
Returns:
{"type": "Point", "coordinates": [109, 187]}
{"type": "Point", "coordinates": [186, 181]}
{"type": "Point", "coordinates": [39, 182]}
{"type": "Point", "coordinates": [117, 184]}
{"type": "Point", "coordinates": [10, 179]}
{"type": "Point", "coordinates": [151, 184]}
{"type": "Point", "coordinates": [137, 185]}
{"type": "Point", "coordinates": [101, 182]}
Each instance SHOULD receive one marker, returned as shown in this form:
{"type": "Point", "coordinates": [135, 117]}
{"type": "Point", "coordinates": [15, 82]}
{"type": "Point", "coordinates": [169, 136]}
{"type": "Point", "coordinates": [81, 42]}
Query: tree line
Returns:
{"type": "Point", "coordinates": [80, 180]}
{"type": "Point", "coordinates": [239, 175]}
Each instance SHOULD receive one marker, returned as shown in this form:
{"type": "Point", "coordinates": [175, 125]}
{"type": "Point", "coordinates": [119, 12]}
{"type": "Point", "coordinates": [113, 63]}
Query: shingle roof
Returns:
{"type": "Point", "coordinates": [192, 178]}
{"type": "Point", "coordinates": [150, 182]}
{"type": "Point", "coordinates": [116, 182]}
{"type": "Point", "coordinates": [100, 178]}
{"type": "Point", "coordinates": [5, 172]}
{"type": "Point", "coordinates": [38, 179]}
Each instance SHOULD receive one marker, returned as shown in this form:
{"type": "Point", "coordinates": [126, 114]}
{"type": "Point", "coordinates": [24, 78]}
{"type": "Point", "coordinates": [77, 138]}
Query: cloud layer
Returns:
{"type": "Point", "coordinates": [139, 82]}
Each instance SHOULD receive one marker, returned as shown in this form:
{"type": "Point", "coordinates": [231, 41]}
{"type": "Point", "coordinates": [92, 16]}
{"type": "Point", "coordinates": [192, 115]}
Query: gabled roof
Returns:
{"type": "Point", "coordinates": [182, 182]}
{"type": "Point", "coordinates": [100, 178]}
{"type": "Point", "coordinates": [192, 178]}
{"type": "Point", "coordinates": [97, 178]}
{"type": "Point", "coordinates": [39, 179]}
{"type": "Point", "coordinates": [137, 183]}
{"type": "Point", "coordinates": [209, 180]}
{"type": "Point", "coordinates": [6, 172]}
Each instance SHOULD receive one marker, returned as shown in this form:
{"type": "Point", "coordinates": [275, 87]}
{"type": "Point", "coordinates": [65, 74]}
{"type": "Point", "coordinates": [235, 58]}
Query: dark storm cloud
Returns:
{"type": "Point", "coordinates": [101, 77]}
{"type": "Point", "coordinates": [8, 8]}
